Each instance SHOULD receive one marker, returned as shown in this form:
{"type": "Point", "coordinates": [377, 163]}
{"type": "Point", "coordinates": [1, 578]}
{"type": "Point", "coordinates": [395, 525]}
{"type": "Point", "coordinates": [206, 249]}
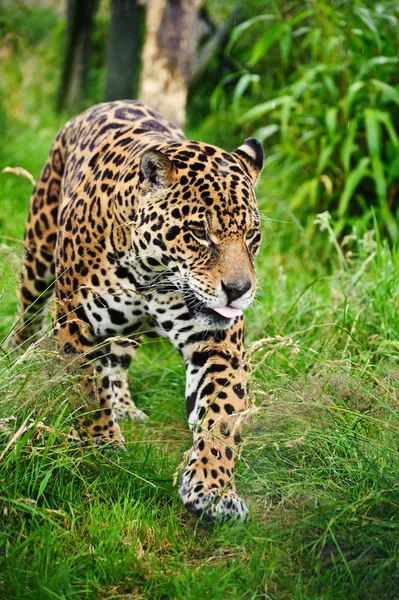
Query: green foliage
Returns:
{"type": "Point", "coordinates": [26, 32]}
{"type": "Point", "coordinates": [26, 24]}
{"type": "Point", "coordinates": [319, 86]}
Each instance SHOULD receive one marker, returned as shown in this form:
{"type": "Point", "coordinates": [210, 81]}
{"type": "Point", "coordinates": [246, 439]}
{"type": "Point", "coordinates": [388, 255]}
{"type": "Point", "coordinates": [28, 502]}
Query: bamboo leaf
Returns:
{"type": "Point", "coordinates": [353, 180]}
{"type": "Point", "coordinates": [243, 27]}
{"type": "Point", "coordinates": [313, 188]}
{"type": "Point", "coordinates": [299, 17]}
{"type": "Point", "coordinates": [373, 132]}
{"type": "Point", "coordinates": [393, 169]}
{"type": "Point", "coordinates": [378, 61]}
{"type": "Point", "coordinates": [285, 45]}
{"type": "Point", "coordinates": [331, 86]}
{"type": "Point", "coordinates": [325, 155]}
{"type": "Point", "coordinates": [379, 179]}
{"type": "Point", "coordinates": [386, 120]}
{"type": "Point", "coordinates": [305, 191]}
{"type": "Point", "coordinates": [351, 95]}
{"type": "Point", "coordinates": [331, 121]}
{"type": "Point", "coordinates": [263, 44]}
{"type": "Point", "coordinates": [262, 109]}
{"type": "Point", "coordinates": [242, 86]}
{"type": "Point", "coordinates": [349, 146]}
{"type": "Point", "coordinates": [389, 93]}
{"type": "Point", "coordinates": [366, 17]}
{"type": "Point", "coordinates": [265, 132]}
{"type": "Point", "coordinates": [219, 91]}
{"type": "Point", "coordinates": [285, 117]}
{"type": "Point", "coordinates": [381, 190]}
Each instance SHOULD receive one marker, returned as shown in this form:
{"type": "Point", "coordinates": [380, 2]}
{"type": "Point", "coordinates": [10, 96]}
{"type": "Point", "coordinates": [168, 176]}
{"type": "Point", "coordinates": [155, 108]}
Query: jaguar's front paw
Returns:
{"type": "Point", "coordinates": [214, 505]}
{"type": "Point", "coordinates": [209, 501]}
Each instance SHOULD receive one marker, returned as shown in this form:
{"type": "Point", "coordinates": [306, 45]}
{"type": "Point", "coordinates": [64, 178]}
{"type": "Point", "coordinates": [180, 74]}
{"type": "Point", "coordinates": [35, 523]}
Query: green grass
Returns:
{"type": "Point", "coordinates": [319, 467]}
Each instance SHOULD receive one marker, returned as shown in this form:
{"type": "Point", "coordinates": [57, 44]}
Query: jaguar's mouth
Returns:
{"type": "Point", "coordinates": [229, 312]}
{"type": "Point", "coordinates": [221, 315]}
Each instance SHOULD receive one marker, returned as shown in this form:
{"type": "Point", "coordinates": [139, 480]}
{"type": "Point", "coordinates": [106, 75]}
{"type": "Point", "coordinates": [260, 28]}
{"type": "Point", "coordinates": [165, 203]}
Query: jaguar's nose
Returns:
{"type": "Point", "coordinates": [235, 290]}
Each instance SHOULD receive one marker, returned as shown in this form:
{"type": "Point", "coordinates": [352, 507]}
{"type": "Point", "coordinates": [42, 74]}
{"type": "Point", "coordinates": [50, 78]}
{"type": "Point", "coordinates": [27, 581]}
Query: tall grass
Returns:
{"type": "Point", "coordinates": [319, 465]}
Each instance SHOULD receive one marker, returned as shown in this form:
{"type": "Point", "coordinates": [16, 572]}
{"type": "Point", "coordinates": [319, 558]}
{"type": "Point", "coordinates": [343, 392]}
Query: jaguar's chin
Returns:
{"type": "Point", "coordinates": [209, 317]}
{"type": "Point", "coordinates": [211, 320]}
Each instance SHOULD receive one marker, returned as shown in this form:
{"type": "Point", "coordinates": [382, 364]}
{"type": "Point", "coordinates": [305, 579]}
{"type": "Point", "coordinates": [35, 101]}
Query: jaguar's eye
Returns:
{"type": "Point", "coordinates": [199, 234]}
{"type": "Point", "coordinates": [251, 233]}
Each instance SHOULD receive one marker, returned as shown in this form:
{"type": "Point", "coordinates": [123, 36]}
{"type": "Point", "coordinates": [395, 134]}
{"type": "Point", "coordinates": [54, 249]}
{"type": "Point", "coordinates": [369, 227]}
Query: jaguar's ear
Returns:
{"type": "Point", "coordinates": [156, 170]}
{"type": "Point", "coordinates": [251, 155]}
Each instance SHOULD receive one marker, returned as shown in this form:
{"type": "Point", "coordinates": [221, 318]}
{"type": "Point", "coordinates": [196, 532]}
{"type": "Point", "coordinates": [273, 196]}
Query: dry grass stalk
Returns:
{"type": "Point", "coordinates": [21, 172]}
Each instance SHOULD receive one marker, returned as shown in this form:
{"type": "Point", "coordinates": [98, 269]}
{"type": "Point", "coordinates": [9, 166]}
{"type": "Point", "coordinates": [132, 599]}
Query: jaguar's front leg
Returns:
{"type": "Point", "coordinates": [216, 394]}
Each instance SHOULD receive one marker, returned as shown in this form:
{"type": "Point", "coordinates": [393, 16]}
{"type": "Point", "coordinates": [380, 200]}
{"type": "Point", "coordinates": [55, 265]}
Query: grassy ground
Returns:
{"type": "Point", "coordinates": [319, 466]}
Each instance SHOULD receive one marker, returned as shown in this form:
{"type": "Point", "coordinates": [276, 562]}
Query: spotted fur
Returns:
{"type": "Point", "coordinates": [139, 230]}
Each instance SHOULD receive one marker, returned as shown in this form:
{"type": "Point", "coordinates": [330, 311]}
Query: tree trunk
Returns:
{"type": "Point", "coordinates": [75, 71]}
{"type": "Point", "coordinates": [123, 46]}
{"type": "Point", "coordinates": [173, 33]}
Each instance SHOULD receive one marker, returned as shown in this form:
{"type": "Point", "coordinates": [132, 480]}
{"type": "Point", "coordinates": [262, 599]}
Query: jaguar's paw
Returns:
{"type": "Point", "coordinates": [213, 504]}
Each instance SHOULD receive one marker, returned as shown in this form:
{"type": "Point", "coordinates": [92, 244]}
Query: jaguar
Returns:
{"type": "Point", "coordinates": [137, 230]}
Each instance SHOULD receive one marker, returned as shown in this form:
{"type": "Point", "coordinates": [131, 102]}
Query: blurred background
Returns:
{"type": "Point", "coordinates": [316, 82]}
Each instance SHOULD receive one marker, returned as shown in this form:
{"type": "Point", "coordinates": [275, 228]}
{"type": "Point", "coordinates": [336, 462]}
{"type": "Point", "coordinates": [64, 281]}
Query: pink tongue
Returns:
{"type": "Point", "coordinates": [228, 312]}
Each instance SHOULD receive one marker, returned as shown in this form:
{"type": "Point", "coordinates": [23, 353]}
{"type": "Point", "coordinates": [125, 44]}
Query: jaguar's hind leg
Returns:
{"type": "Point", "coordinates": [121, 354]}
{"type": "Point", "coordinates": [38, 268]}
{"type": "Point", "coordinates": [88, 365]}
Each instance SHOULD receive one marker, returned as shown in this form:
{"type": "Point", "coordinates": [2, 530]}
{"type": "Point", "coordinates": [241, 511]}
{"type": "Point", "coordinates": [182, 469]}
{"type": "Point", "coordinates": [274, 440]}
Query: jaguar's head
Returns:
{"type": "Point", "coordinates": [198, 225]}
